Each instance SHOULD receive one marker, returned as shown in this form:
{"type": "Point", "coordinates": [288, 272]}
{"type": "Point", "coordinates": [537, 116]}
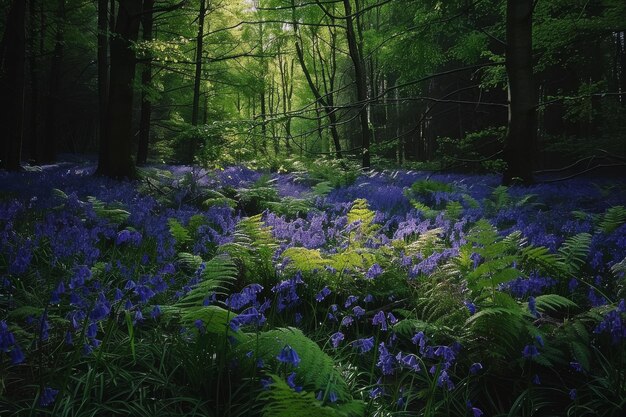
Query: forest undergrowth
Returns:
{"type": "Point", "coordinates": [317, 291]}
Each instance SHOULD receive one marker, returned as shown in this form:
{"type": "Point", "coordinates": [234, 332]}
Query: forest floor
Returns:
{"type": "Point", "coordinates": [313, 292]}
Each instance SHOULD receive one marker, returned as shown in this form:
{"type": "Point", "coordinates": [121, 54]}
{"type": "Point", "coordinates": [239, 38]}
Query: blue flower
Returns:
{"type": "Point", "coordinates": [291, 381]}
{"type": "Point", "coordinates": [475, 368]}
{"type": "Point", "coordinates": [536, 380]}
{"type": "Point", "coordinates": [358, 311]}
{"type": "Point", "coordinates": [347, 321]}
{"type": "Point", "coordinates": [532, 306]}
{"type": "Point", "coordinates": [325, 292]}
{"type": "Point", "coordinates": [470, 306]}
{"type": "Point", "coordinates": [374, 271]}
{"type": "Point", "coordinates": [48, 396]}
{"type": "Point", "coordinates": [573, 393]}
{"type": "Point", "coordinates": [289, 355]}
{"type": "Point", "coordinates": [379, 319]}
{"type": "Point", "coordinates": [364, 345]}
{"type": "Point", "coordinates": [530, 351]}
{"type": "Point", "coordinates": [350, 300]}
{"type": "Point", "coordinates": [17, 356]}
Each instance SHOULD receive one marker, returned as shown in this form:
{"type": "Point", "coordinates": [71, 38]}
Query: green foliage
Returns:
{"type": "Point", "coordinates": [613, 218]}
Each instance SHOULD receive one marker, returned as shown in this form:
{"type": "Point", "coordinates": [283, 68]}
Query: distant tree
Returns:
{"type": "Point", "coordinates": [12, 78]}
{"type": "Point", "coordinates": [521, 130]}
{"type": "Point", "coordinates": [116, 160]}
{"type": "Point", "coordinates": [147, 23]}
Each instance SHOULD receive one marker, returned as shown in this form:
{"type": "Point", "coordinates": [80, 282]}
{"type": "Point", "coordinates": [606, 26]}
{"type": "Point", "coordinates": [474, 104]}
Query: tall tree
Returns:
{"type": "Point", "coordinates": [12, 79]}
{"type": "Point", "coordinates": [521, 133]}
{"type": "Point", "coordinates": [147, 23]}
{"type": "Point", "coordinates": [103, 73]}
{"type": "Point", "coordinates": [361, 82]}
{"type": "Point", "coordinates": [117, 162]}
{"type": "Point", "coordinates": [53, 99]}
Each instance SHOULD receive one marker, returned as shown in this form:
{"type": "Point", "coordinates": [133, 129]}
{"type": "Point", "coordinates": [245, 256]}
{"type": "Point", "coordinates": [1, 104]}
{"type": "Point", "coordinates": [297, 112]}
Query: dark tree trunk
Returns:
{"type": "Point", "coordinates": [12, 67]}
{"type": "Point", "coordinates": [117, 162]}
{"type": "Point", "coordinates": [34, 149]}
{"type": "Point", "coordinates": [198, 75]}
{"type": "Point", "coordinates": [361, 83]}
{"type": "Point", "coordinates": [53, 100]}
{"type": "Point", "coordinates": [621, 38]}
{"type": "Point", "coordinates": [521, 133]}
{"type": "Point", "coordinates": [103, 75]}
{"type": "Point", "coordinates": [147, 23]}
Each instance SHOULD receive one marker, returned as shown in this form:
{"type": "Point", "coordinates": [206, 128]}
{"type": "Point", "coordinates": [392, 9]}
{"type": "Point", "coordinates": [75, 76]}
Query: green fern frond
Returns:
{"type": "Point", "coordinates": [178, 232]}
{"type": "Point", "coordinates": [352, 259]}
{"type": "Point", "coordinates": [541, 257]}
{"type": "Point", "coordinates": [113, 214]}
{"type": "Point", "coordinates": [426, 243]}
{"type": "Point", "coordinates": [454, 209]}
{"type": "Point", "coordinates": [304, 259]}
{"type": "Point", "coordinates": [573, 252]}
{"type": "Point", "coordinates": [553, 302]}
{"type": "Point", "coordinates": [282, 401]}
{"type": "Point", "coordinates": [317, 370]}
{"type": "Point", "coordinates": [188, 261]}
{"type": "Point", "coordinates": [613, 218]}
{"type": "Point", "coordinates": [361, 212]}
{"type": "Point", "coordinates": [218, 275]}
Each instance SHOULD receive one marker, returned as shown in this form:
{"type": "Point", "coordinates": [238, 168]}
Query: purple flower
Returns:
{"type": "Point", "coordinates": [470, 306]}
{"type": "Point", "coordinates": [364, 345]}
{"type": "Point", "coordinates": [379, 319]}
{"type": "Point", "coordinates": [350, 300]}
{"type": "Point", "coordinates": [385, 360]}
{"type": "Point", "coordinates": [358, 311]}
{"type": "Point", "coordinates": [325, 292]}
{"type": "Point", "coordinates": [536, 380]}
{"type": "Point", "coordinates": [291, 381]}
{"type": "Point", "coordinates": [347, 321]}
{"type": "Point", "coordinates": [374, 271]}
{"type": "Point", "coordinates": [576, 366]}
{"type": "Point", "coordinates": [532, 306]}
{"type": "Point", "coordinates": [376, 392]}
{"type": "Point", "coordinates": [573, 393]}
{"type": "Point", "coordinates": [530, 351]}
{"type": "Point", "coordinates": [289, 355]}
{"type": "Point", "coordinates": [17, 356]}
{"type": "Point", "coordinates": [336, 339]}
{"type": "Point", "coordinates": [475, 368]}
{"type": "Point", "coordinates": [48, 396]}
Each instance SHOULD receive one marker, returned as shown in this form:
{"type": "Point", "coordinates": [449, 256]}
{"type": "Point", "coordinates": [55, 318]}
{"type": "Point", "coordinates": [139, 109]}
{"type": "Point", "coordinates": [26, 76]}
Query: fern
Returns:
{"type": "Point", "coordinates": [573, 252]}
{"type": "Point", "coordinates": [316, 370]}
{"type": "Point", "coordinates": [282, 401]}
{"type": "Point", "coordinates": [304, 259]}
{"type": "Point", "coordinates": [113, 214]}
{"type": "Point", "coordinates": [218, 274]}
{"type": "Point", "coordinates": [178, 232]}
{"type": "Point", "coordinates": [360, 212]}
{"type": "Point", "coordinates": [613, 218]}
{"type": "Point", "coordinates": [553, 302]}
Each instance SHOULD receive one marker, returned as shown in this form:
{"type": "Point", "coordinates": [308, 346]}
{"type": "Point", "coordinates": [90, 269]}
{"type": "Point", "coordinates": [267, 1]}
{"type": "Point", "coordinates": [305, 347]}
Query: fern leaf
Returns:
{"type": "Point", "coordinates": [316, 370]}
{"type": "Point", "coordinates": [613, 218]}
{"type": "Point", "coordinates": [553, 302]}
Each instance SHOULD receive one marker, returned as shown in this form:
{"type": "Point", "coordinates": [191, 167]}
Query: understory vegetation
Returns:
{"type": "Point", "coordinates": [318, 291]}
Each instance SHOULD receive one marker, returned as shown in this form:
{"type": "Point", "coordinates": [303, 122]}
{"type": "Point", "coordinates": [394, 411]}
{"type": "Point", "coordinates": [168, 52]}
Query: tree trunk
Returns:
{"type": "Point", "coordinates": [361, 83]}
{"type": "Point", "coordinates": [53, 100]}
{"type": "Point", "coordinates": [12, 67]}
{"type": "Point", "coordinates": [117, 162]}
{"type": "Point", "coordinates": [103, 74]}
{"type": "Point", "coordinates": [147, 22]}
{"type": "Point", "coordinates": [195, 111]}
{"type": "Point", "coordinates": [34, 149]}
{"type": "Point", "coordinates": [521, 134]}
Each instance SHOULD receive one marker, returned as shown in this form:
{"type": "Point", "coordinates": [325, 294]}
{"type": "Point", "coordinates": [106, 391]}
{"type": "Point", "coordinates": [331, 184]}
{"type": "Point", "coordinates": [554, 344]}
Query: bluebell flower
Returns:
{"type": "Point", "coordinates": [266, 383]}
{"type": "Point", "coordinates": [347, 321]}
{"type": "Point", "coordinates": [291, 381]}
{"type": "Point", "coordinates": [324, 292]}
{"type": "Point", "coordinates": [530, 351]}
{"type": "Point", "coordinates": [350, 300]}
{"type": "Point", "coordinates": [358, 311]}
{"type": "Point", "coordinates": [536, 380]}
{"type": "Point", "coordinates": [379, 319]}
{"type": "Point", "coordinates": [532, 306]}
{"type": "Point", "coordinates": [364, 345]}
{"type": "Point", "coordinates": [376, 392]}
{"type": "Point", "coordinates": [48, 396]}
{"type": "Point", "coordinates": [573, 394]}
{"type": "Point", "coordinates": [576, 366]}
{"type": "Point", "coordinates": [539, 340]}
{"type": "Point", "coordinates": [289, 356]}
{"type": "Point", "coordinates": [475, 368]}
{"type": "Point", "coordinates": [386, 360]}
{"type": "Point", "coordinates": [471, 307]}
{"type": "Point", "coordinates": [374, 271]}
{"type": "Point", "coordinates": [16, 354]}
{"type": "Point", "coordinates": [332, 397]}
{"type": "Point", "coordinates": [156, 312]}
{"type": "Point", "coordinates": [368, 298]}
